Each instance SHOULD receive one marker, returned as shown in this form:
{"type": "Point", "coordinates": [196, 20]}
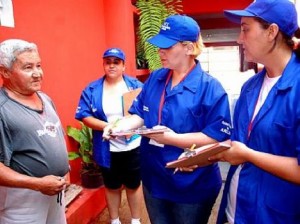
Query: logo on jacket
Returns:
{"type": "Point", "coordinates": [145, 108]}
{"type": "Point", "coordinates": [227, 128]}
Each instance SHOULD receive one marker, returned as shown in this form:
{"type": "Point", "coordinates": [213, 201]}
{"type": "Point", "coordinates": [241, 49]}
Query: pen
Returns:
{"type": "Point", "coordinates": [176, 169]}
{"type": "Point", "coordinates": [193, 147]}
{"type": "Point", "coordinates": [190, 149]}
{"type": "Point", "coordinates": [114, 124]}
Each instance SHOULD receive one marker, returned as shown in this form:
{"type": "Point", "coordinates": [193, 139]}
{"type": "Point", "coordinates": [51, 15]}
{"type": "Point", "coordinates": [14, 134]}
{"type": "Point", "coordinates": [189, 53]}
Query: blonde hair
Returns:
{"type": "Point", "coordinates": [198, 46]}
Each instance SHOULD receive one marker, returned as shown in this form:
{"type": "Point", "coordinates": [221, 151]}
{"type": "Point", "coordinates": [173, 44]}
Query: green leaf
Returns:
{"type": "Point", "coordinates": [152, 13]}
{"type": "Point", "coordinates": [73, 155]}
{"type": "Point", "coordinates": [83, 136]}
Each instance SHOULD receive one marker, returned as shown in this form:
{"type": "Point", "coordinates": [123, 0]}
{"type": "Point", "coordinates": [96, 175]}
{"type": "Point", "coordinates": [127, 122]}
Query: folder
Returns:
{"type": "Point", "coordinates": [128, 99]}
{"type": "Point", "coordinates": [199, 156]}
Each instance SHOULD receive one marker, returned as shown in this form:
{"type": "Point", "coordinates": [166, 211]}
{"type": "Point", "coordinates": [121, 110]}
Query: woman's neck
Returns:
{"type": "Point", "coordinates": [112, 81]}
{"type": "Point", "coordinates": [180, 73]}
{"type": "Point", "coordinates": [276, 63]}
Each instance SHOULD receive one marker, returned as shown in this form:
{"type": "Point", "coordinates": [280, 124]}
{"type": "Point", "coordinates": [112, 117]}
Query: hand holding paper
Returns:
{"type": "Point", "coordinates": [117, 126]}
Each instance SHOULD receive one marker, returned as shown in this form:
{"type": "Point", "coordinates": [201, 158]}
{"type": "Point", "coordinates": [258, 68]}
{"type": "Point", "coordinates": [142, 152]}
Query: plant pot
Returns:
{"type": "Point", "coordinates": [91, 180]}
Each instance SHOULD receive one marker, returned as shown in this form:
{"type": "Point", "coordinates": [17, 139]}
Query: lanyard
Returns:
{"type": "Point", "coordinates": [163, 95]}
{"type": "Point", "coordinates": [250, 126]}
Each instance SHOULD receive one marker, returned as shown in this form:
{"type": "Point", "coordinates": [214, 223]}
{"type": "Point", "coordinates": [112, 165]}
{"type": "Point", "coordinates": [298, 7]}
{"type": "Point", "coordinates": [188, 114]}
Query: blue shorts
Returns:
{"type": "Point", "coordinates": [124, 170]}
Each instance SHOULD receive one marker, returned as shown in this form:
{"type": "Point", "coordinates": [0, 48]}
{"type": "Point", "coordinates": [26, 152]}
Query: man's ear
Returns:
{"type": "Point", "coordinates": [4, 72]}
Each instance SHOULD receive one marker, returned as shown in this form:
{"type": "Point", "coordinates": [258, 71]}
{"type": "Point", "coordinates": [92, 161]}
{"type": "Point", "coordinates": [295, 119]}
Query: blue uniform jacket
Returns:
{"type": "Point", "coordinates": [197, 104]}
{"type": "Point", "coordinates": [90, 105]}
{"type": "Point", "coordinates": [263, 197]}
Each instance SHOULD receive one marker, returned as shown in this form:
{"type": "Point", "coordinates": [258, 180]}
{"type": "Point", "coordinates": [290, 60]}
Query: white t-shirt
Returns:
{"type": "Point", "coordinates": [112, 104]}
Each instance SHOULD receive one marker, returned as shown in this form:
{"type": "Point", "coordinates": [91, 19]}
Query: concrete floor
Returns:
{"type": "Point", "coordinates": [125, 217]}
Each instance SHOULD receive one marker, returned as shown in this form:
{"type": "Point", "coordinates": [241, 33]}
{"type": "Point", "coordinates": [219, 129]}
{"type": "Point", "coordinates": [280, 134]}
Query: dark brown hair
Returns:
{"type": "Point", "coordinates": [289, 40]}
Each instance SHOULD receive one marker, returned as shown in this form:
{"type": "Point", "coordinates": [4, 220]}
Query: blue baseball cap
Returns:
{"type": "Point", "coordinates": [114, 52]}
{"type": "Point", "coordinates": [176, 28]}
{"type": "Point", "coordinates": [281, 12]}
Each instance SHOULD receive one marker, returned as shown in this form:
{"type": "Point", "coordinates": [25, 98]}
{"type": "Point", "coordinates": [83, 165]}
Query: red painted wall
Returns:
{"type": "Point", "coordinates": [216, 6]}
{"type": "Point", "coordinates": [72, 36]}
{"type": "Point", "coordinates": [119, 28]}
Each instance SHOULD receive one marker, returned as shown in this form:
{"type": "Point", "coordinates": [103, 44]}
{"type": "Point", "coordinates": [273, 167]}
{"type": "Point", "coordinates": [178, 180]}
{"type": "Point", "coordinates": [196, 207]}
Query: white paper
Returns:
{"type": "Point", "coordinates": [6, 13]}
{"type": "Point", "coordinates": [153, 142]}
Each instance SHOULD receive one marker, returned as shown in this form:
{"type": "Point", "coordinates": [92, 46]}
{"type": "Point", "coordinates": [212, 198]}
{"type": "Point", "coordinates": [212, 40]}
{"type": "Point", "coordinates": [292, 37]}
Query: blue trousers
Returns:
{"type": "Point", "coordinates": [162, 211]}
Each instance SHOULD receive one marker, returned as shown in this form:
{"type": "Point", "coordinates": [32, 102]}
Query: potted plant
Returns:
{"type": "Point", "coordinates": [90, 172]}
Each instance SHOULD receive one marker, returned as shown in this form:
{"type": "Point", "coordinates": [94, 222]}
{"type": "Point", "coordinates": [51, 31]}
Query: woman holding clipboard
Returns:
{"type": "Point", "coordinates": [195, 108]}
{"type": "Point", "coordinates": [101, 102]}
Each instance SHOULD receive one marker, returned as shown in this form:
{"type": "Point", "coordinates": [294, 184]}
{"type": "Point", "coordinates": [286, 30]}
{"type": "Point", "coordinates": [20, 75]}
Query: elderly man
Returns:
{"type": "Point", "coordinates": [33, 154]}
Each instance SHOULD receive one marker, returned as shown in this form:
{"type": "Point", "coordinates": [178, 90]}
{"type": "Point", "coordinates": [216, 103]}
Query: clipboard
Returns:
{"type": "Point", "coordinates": [199, 156]}
{"type": "Point", "coordinates": [128, 99]}
{"type": "Point", "coordinates": [140, 131]}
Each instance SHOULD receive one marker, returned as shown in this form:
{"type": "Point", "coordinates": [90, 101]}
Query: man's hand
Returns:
{"type": "Point", "coordinates": [51, 185]}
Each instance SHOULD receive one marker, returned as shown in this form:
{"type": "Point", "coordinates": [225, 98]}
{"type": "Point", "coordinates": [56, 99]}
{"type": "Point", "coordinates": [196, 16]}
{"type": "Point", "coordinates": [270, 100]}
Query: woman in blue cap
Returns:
{"type": "Point", "coordinates": [100, 103]}
{"type": "Point", "coordinates": [195, 108]}
{"type": "Point", "coordinates": [263, 186]}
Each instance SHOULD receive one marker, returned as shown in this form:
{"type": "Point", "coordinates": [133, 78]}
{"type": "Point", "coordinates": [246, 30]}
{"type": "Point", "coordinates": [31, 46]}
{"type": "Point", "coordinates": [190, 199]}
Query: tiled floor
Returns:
{"type": "Point", "coordinates": [125, 218]}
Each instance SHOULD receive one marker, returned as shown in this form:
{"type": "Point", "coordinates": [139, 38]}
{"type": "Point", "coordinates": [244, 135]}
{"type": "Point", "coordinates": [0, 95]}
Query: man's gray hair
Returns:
{"type": "Point", "coordinates": [11, 48]}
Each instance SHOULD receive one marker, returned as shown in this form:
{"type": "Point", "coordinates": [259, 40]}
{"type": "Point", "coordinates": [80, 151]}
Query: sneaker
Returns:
{"type": "Point", "coordinates": [116, 221]}
{"type": "Point", "coordinates": [135, 221]}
